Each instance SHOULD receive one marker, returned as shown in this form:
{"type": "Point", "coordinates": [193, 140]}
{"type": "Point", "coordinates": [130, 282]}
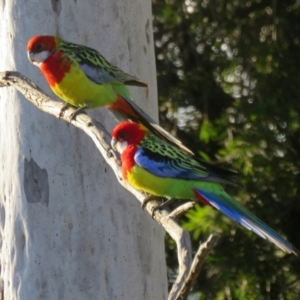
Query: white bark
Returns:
{"type": "Point", "coordinates": [68, 230]}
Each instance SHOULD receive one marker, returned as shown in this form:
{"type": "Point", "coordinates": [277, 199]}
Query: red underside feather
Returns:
{"type": "Point", "coordinates": [127, 158]}
{"type": "Point", "coordinates": [201, 198]}
{"type": "Point", "coordinates": [121, 105]}
{"type": "Point", "coordinates": [55, 68]}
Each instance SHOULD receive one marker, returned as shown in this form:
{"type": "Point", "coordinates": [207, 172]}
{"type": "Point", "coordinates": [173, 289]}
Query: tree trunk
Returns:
{"type": "Point", "coordinates": [68, 230]}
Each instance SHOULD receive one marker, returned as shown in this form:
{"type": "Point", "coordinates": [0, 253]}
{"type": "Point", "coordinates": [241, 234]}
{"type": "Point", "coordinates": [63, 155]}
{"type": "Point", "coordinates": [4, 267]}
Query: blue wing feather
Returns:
{"type": "Point", "coordinates": [166, 166]}
{"type": "Point", "coordinates": [166, 160]}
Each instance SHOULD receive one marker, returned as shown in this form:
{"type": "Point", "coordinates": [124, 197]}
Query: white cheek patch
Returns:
{"type": "Point", "coordinates": [121, 146]}
{"type": "Point", "coordinates": [38, 58]}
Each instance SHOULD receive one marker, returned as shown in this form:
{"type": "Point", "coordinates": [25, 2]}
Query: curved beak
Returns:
{"type": "Point", "coordinates": [114, 144]}
{"type": "Point", "coordinates": [30, 56]}
{"type": "Point", "coordinates": [118, 146]}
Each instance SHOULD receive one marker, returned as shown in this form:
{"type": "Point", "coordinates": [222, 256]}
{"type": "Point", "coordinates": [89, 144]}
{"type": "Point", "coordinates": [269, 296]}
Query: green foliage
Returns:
{"type": "Point", "coordinates": [229, 81]}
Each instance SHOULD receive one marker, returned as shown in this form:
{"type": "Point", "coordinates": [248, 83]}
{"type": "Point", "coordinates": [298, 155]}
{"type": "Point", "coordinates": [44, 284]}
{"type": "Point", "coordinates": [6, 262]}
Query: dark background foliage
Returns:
{"type": "Point", "coordinates": [229, 87]}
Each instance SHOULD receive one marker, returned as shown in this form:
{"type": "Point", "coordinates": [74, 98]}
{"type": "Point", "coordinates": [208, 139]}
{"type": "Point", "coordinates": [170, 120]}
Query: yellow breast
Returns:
{"type": "Point", "coordinates": [78, 90]}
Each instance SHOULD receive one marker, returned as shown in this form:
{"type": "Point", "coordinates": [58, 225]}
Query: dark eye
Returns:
{"type": "Point", "coordinates": [121, 136]}
{"type": "Point", "coordinates": [39, 47]}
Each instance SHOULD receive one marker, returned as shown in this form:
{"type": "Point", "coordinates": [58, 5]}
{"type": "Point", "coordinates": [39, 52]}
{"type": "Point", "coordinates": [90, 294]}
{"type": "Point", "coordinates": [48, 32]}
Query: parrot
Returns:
{"type": "Point", "coordinates": [158, 168]}
{"type": "Point", "coordinates": [83, 78]}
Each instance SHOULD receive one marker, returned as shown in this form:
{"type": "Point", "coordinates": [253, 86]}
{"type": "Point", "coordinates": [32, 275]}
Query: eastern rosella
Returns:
{"type": "Point", "coordinates": [82, 77]}
{"type": "Point", "coordinates": [153, 166]}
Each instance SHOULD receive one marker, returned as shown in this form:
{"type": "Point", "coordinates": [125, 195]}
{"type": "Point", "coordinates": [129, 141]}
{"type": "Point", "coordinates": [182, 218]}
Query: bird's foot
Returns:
{"type": "Point", "coordinates": [164, 204]}
{"type": "Point", "coordinates": [76, 112]}
{"type": "Point", "coordinates": [63, 109]}
{"type": "Point", "coordinates": [158, 207]}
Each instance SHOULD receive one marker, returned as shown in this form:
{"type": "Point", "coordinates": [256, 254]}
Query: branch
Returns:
{"type": "Point", "coordinates": [188, 272]}
{"type": "Point", "coordinates": [195, 269]}
{"type": "Point", "coordinates": [182, 209]}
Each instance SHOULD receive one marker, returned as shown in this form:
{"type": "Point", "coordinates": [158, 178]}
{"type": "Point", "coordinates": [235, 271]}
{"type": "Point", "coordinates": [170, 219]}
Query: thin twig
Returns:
{"type": "Point", "coordinates": [203, 251]}
{"type": "Point", "coordinates": [182, 209]}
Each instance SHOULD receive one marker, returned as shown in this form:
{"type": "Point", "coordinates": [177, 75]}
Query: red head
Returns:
{"type": "Point", "coordinates": [40, 47]}
{"type": "Point", "coordinates": [127, 133]}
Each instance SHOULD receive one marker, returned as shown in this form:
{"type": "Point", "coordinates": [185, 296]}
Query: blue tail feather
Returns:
{"type": "Point", "coordinates": [238, 213]}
